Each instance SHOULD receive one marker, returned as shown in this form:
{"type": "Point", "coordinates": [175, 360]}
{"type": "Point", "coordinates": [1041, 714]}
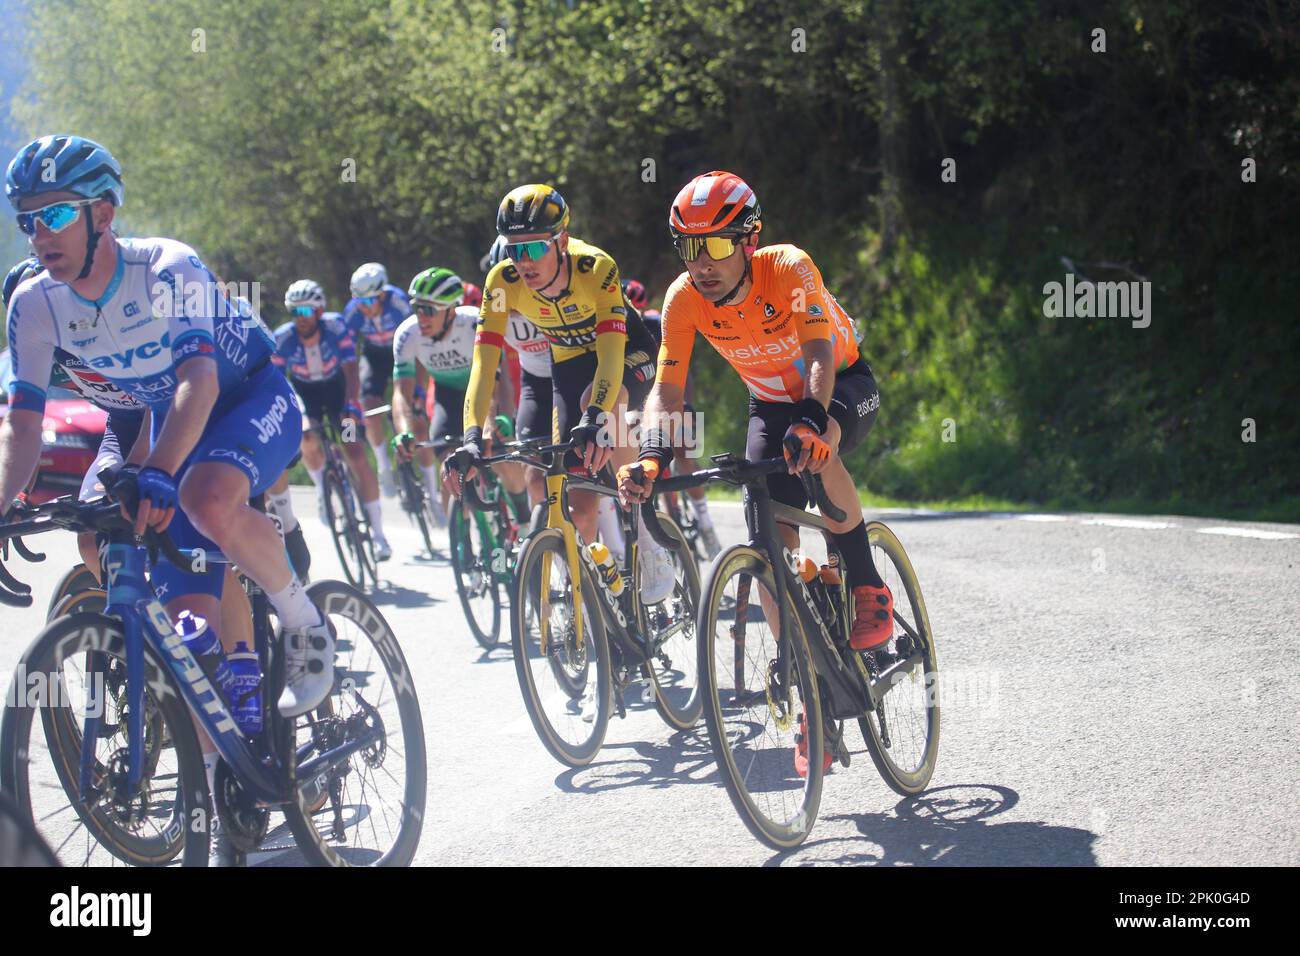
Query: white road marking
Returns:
{"type": "Point", "coordinates": [1249, 533]}
{"type": "Point", "coordinates": [1130, 523]}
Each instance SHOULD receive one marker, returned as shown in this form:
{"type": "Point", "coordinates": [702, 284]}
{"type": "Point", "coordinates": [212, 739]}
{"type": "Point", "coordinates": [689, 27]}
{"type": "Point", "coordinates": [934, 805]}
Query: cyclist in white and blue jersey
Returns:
{"type": "Point", "coordinates": [373, 315]}
{"type": "Point", "coordinates": [318, 353]}
{"type": "Point", "coordinates": [147, 314]}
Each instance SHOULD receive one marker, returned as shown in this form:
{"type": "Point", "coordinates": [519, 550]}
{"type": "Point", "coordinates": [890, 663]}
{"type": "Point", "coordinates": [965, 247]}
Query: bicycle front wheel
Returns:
{"type": "Point", "coordinates": [472, 556]}
{"type": "Point", "coordinates": [902, 733]}
{"type": "Point", "coordinates": [756, 717]}
{"type": "Point", "coordinates": [40, 759]}
{"type": "Point", "coordinates": [77, 580]}
{"type": "Point", "coordinates": [563, 670]}
{"type": "Point", "coordinates": [371, 809]}
{"type": "Point", "coordinates": [338, 506]}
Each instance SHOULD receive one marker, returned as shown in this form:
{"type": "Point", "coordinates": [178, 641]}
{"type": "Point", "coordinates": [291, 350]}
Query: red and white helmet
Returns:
{"type": "Point", "coordinates": [715, 203]}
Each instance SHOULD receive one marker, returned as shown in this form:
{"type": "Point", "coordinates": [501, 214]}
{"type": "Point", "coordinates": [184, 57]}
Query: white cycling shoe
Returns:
{"type": "Point", "coordinates": [383, 550]}
{"type": "Point", "coordinates": [658, 576]}
{"type": "Point", "coordinates": [308, 668]}
{"type": "Point", "coordinates": [588, 707]}
{"type": "Point", "coordinates": [323, 514]}
{"type": "Point", "coordinates": [711, 543]}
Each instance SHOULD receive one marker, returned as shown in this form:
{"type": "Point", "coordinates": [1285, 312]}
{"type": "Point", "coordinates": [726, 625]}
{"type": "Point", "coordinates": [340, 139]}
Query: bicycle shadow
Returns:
{"type": "Point", "coordinates": [948, 826]}
{"type": "Point", "coordinates": [500, 654]}
{"type": "Point", "coordinates": [686, 757]}
{"type": "Point", "coordinates": [395, 595]}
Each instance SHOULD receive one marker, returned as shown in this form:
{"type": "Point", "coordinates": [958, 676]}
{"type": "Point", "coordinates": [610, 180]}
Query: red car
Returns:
{"type": "Point", "coordinates": [70, 436]}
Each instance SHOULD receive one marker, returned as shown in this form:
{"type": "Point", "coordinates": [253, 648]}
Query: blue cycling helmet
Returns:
{"type": "Point", "coordinates": [18, 274]}
{"type": "Point", "coordinates": [61, 163]}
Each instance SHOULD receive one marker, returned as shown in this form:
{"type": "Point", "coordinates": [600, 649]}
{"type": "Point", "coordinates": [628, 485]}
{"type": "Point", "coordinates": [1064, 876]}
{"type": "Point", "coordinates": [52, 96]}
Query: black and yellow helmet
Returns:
{"type": "Point", "coordinates": [532, 208]}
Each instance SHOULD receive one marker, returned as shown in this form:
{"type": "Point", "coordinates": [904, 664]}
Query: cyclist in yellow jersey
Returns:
{"type": "Point", "coordinates": [602, 354]}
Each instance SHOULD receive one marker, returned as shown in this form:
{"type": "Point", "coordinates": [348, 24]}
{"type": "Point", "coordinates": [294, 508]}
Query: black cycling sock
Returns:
{"type": "Point", "coordinates": [521, 503]}
{"type": "Point", "coordinates": [855, 551]}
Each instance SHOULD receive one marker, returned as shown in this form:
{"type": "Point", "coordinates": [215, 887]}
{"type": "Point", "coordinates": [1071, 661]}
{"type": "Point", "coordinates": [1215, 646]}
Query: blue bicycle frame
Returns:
{"type": "Point", "coordinates": [132, 601]}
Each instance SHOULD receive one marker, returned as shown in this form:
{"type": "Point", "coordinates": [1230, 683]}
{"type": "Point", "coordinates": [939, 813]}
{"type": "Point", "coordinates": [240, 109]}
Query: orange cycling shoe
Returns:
{"type": "Point", "coordinates": [801, 750]}
{"type": "Point", "coordinates": [873, 620]}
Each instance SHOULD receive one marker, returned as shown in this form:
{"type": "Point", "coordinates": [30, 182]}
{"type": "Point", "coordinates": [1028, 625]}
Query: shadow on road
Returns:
{"type": "Point", "coordinates": [685, 757]}
{"type": "Point", "coordinates": [948, 826]}
{"type": "Point", "coordinates": [390, 594]}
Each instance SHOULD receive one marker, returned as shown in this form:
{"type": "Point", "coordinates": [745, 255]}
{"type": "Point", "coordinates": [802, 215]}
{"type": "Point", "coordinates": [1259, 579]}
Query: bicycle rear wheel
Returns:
{"type": "Point", "coordinates": [415, 503]}
{"type": "Point", "coordinates": [754, 721]}
{"type": "Point", "coordinates": [476, 583]}
{"type": "Point", "coordinates": [902, 733]}
{"type": "Point", "coordinates": [674, 668]}
{"type": "Point", "coordinates": [565, 680]}
{"type": "Point", "coordinates": [375, 806]}
{"type": "Point", "coordinates": [21, 844]}
{"type": "Point", "coordinates": [40, 759]}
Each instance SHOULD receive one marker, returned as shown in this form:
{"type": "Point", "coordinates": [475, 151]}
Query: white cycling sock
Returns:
{"type": "Point", "coordinates": [374, 512]}
{"type": "Point", "coordinates": [282, 505]}
{"type": "Point", "coordinates": [610, 531]}
{"type": "Point", "coordinates": [317, 476]}
{"type": "Point", "coordinates": [210, 761]}
{"type": "Point", "coordinates": [293, 607]}
{"type": "Point", "coordinates": [381, 458]}
{"type": "Point", "coordinates": [431, 481]}
{"type": "Point", "coordinates": [701, 506]}
{"type": "Point", "coordinates": [647, 543]}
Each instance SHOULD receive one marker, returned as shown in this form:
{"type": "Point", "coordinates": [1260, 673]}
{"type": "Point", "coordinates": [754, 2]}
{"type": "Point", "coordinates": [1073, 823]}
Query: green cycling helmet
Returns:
{"type": "Point", "coordinates": [440, 286]}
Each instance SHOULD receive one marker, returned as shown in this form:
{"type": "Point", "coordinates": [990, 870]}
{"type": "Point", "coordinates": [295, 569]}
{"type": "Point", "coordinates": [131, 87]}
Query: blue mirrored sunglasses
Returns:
{"type": "Point", "coordinates": [305, 311]}
{"type": "Point", "coordinates": [367, 299]}
{"type": "Point", "coordinates": [56, 217]}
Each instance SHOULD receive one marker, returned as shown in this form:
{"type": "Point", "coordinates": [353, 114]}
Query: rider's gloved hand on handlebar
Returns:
{"type": "Point", "coordinates": [461, 465]}
{"type": "Point", "coordinates": [402, 446]}
{"type": "Point", "coordinates": [586, 444]}
{"type": "Point", "coordinates": [805, 433]}
{"type": "Point", "coordinates": [148, 497]}
{"type": "Point", "coordinates": [633, 492]}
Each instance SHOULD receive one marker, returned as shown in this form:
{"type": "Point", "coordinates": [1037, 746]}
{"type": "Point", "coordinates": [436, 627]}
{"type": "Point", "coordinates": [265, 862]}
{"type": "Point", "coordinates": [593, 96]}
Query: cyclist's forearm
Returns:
{"type": "Point", "coordinates": [20, 450]}
{"type": "Point", "coordinates": [352, 383]}
{"type": "Point", "coordinates": [820, 381]}
{"type": "Point", "coordinates": [664, 399]}
{"type": "Point", "coordinates": [191, 406]}
{"type": "Point", "coordinates": [403, 403]}
{"type": "Point", "coordinates": [504, 399]}
{"type": "Point", "coordinates": [140, 450]}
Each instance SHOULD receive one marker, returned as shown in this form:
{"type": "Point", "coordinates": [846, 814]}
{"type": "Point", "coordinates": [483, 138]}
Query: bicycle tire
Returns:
{"type": "Point", "coordinates": [902, 780]}
{"type": "Point", "coordinates": [596, 650]}
{"type": "Point", "coordinates": [680, 715]}
{"type": "Point", "coordinates": [473, 577]}
{"type": "Point", "coordinates": [742, 783]}
{"type": "Point", "coordinates": [335, 511]}
{"type": "Point", "coordinates": [187, 831]}
{"type": "Point", "coordinates": [76, 579]}
{"type": "Point", "coordinates": [337, 598]}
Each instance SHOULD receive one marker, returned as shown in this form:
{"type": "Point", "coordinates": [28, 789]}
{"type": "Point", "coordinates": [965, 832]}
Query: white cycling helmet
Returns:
{"type": "Point", "coordinates": [305, 292]}
{"type": "Point", "coordinates": [369, 279]}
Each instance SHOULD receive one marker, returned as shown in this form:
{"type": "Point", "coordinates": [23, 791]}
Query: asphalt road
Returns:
{"type": "Point", "coordinates": [1116, 691]}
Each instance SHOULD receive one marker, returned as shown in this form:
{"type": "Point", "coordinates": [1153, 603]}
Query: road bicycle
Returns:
{"type": "Point", "coordinates": [344, 513]}
{"type": "Point", "coordinates": [581, 636]}
{"type": "Point", "coordinates": [777, 670]}
{"type": "Point", "coordinates": [485, 530]}
{"type": "Point", "coordinates": [98, 739]}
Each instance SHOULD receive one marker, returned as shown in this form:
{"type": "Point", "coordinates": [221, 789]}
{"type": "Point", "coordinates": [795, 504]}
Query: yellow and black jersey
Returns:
{"type": "Point", "coordinates": [590, 315]}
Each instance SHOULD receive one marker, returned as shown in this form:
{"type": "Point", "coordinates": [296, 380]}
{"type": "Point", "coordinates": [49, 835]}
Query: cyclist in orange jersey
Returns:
{"type": "Point", "coordinates": [767, 312]}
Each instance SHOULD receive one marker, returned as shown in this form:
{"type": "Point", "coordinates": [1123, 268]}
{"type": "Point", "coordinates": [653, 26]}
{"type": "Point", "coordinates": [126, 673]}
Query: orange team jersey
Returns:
{"type": "Point", "coordinates": [762, 337]}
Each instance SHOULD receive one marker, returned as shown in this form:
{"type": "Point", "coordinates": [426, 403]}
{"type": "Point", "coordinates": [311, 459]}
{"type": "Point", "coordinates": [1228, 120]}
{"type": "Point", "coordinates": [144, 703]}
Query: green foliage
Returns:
{"type": "Point", "coordinates": [1127, 162]}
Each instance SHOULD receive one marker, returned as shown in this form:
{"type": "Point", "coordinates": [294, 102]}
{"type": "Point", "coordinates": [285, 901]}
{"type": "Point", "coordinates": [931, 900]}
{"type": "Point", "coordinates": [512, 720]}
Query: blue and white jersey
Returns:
{"type": "Point", "coordinates": [379, 331]}
{"type": "Point", "coordinates": [322, 359]}
{"type": "Point", "coordinates": [161, 308]}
